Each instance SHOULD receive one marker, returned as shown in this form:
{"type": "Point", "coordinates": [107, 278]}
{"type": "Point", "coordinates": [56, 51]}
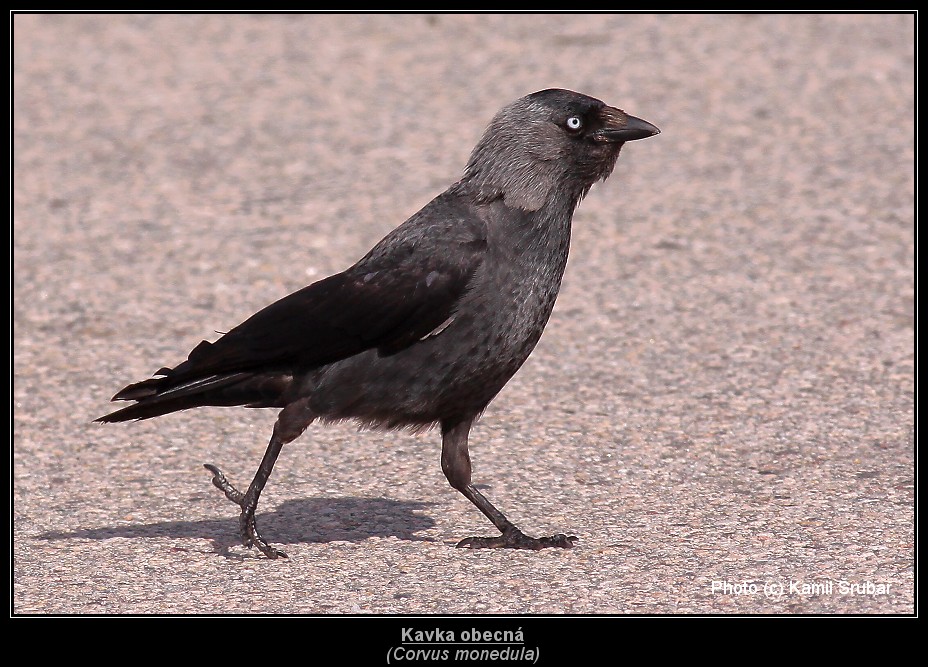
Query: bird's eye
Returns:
{"type": "Point", "coordinates": [574, 123]}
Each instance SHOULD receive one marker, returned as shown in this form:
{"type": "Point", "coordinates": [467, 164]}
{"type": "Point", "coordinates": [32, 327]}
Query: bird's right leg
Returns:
{"type": "Point", "coordinates": [455, 463]}
{"type": "Point", "coordinates": [291, 422]}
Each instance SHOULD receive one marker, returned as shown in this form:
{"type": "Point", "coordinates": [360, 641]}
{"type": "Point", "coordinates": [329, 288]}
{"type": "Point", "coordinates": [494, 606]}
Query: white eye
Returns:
{"type": "Point", "coordinates": [574, 123]}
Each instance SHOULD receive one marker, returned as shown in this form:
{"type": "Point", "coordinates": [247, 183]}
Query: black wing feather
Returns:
{"type": "Point", "coordinates": [404, 288]}
{"type": "Point", "coordinates": [338, 317]}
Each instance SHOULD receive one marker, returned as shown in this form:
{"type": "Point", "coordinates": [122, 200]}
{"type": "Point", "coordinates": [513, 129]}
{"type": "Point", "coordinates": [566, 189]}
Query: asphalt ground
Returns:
{"type": "Point", "coordinates": [721, 408]}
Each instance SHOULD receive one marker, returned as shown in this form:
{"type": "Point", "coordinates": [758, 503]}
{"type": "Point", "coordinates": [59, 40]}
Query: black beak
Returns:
{"type": "Point", "coordinates": [619, 127]}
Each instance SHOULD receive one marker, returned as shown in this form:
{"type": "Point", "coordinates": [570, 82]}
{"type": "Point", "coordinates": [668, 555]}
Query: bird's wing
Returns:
{"type": "Point", "coordinates": [341, 316]}
{"type": "Point", "coordinates": [398, 294]}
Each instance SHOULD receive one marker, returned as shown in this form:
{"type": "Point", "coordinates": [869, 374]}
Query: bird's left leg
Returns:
{"type": "Point", "coordinates": [291, 422]}
{"type": "Point", "coordinates": [455, 463]}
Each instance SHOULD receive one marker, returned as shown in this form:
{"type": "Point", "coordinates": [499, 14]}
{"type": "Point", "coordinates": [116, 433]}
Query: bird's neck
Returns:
{"type": "Point", "coordinates": [540, 189]}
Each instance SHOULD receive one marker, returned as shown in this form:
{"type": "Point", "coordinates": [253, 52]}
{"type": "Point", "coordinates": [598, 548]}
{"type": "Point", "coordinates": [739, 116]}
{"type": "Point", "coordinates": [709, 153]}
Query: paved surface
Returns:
{"type": "Point", "coordinates": [723, 399]}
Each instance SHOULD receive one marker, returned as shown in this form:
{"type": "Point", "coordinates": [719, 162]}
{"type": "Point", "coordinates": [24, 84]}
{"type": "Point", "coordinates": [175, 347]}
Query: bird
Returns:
{"type": "Point", "coordinates": [427, 328]}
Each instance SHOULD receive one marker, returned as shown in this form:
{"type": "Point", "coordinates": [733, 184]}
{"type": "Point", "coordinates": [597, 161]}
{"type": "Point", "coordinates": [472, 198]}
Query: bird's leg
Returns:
{"type": "Point", "coordinates": [249, 501]}
{"type": "Point", "coordinates": [291, 422]}
{"type": "Point", "coordinates": [455, 463]}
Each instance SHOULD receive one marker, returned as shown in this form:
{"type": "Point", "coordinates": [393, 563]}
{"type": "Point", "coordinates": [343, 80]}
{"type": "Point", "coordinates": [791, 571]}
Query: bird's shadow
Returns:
{"type": "Point", "coordinates": [310, 520]}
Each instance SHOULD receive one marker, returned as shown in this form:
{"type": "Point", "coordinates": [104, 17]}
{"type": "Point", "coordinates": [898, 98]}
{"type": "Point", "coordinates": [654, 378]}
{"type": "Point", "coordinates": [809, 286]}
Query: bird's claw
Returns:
{"type": "Point", "coordinates": [247, 528]}
{"type": "Point", "coordinates": [514, 538]}
{"type": "Point", "coordinates": [221, 483]}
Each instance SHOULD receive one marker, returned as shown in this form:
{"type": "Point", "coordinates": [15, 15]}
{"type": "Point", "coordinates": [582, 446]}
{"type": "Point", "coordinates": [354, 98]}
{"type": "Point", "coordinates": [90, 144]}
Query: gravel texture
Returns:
{"type": "Point", "coordinates": [723, 402]}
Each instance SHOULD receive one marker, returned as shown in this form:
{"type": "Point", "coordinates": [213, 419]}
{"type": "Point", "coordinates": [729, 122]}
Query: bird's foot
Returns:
{"type": "Point", "coordinates": [221, 483]}
{"type": "Point", "coordinates": [251, 538]}
{"type": "Point", "coordinates": [513, 538]}
{"type": "Point", "coordinates": [247, 528]}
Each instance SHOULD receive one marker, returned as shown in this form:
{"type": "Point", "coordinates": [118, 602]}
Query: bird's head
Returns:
{"type": "Point", "coordinates": [550, 146]}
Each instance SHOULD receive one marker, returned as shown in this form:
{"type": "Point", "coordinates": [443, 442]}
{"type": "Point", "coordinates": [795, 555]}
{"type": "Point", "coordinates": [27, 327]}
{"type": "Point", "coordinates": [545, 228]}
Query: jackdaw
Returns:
{"type": "Point", "coordinates": [428, 327]}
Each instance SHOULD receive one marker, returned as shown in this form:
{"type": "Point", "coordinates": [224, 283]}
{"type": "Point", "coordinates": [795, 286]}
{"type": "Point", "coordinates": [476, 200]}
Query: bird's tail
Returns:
{"type": "Point", "coordinates": [168, 393]}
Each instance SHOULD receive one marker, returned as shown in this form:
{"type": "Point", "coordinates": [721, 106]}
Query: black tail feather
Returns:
{"type": "Point", "coordinates": [162, 395]}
